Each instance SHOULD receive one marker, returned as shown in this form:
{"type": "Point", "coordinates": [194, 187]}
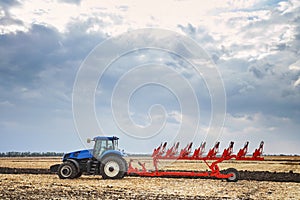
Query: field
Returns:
{"type": "Point", "coordinates": [28, 178]}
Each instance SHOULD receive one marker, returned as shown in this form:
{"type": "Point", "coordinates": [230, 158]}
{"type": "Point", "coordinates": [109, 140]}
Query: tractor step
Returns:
{"type": "Point", "coordinates": [93, 167]}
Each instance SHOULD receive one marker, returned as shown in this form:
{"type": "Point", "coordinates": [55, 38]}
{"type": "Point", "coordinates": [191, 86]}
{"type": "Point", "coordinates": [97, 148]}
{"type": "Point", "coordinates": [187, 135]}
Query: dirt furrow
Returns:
{"type": "Point", "coordinates": [244, 175]}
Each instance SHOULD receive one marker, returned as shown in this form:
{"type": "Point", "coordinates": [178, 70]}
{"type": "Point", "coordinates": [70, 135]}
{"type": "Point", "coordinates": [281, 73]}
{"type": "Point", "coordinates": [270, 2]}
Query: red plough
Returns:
{"type": "Point", "coordinates": [162, 153]}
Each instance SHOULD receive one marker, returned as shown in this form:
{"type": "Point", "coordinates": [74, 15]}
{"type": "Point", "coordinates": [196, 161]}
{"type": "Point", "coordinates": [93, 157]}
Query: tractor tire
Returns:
{"type": "Point", "coordinates": [78, 175]}
{"type": "Point", "coordinates": [67, 170]}
{"type": "Point", "coordinates": [235, 174]}
{"type": "Point", "coordinates": [113, 167]}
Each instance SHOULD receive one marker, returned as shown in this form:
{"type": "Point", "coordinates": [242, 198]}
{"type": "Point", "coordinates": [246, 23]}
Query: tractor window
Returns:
{"type": "Point", "coordinates": [103, 145]}
{"type": "Point", "coordinates": [110, 145]}
{"type": "Point", "coordinates": [116, 144]}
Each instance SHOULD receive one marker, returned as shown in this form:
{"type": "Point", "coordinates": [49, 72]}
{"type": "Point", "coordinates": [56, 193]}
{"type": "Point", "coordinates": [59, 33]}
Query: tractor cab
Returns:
{"type": "Point", "coordinates": [104, 144]}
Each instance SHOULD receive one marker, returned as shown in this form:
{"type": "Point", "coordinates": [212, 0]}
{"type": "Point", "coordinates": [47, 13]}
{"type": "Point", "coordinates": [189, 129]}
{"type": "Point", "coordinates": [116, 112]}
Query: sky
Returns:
{"type": "Point", "coordinates": [150, 95]}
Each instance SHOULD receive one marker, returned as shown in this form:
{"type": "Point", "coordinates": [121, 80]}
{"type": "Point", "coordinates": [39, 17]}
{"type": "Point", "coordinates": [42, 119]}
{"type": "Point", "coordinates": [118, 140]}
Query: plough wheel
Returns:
{"type": "Point", "coordinates": [235, 174]}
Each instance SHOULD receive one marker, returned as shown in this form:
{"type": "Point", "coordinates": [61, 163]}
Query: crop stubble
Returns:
{"type": "Point", "coordinates": [49, 186]}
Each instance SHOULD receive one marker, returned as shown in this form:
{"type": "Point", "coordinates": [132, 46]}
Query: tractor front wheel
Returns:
{"type": "Point", "coordinates": [113, 167]}
{"type": "Point", "coordinates": [67, 170]}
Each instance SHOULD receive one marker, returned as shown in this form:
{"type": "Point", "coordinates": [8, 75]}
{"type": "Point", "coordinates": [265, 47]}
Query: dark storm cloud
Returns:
{"type": "Point", "coordinates": [37, 72]}
{"type": "Point", "coordinates": [25, 54]}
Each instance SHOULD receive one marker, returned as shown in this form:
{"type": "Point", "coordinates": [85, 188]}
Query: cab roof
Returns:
{"type": "Point", "coordinates": [105, 138]}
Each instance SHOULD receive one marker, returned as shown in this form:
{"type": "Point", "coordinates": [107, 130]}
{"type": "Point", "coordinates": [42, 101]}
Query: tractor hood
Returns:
{"type": "Point", "coordinates": [81, 154]}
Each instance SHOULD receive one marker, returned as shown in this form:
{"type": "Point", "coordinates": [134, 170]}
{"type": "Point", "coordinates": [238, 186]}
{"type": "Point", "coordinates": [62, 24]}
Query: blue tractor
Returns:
{"type": "Point", "coordinates": [104, 159]}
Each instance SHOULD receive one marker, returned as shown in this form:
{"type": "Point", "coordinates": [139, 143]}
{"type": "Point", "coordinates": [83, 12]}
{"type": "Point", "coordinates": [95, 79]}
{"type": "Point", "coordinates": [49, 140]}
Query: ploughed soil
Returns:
{"type": "Point", "coordinates": [30, 178]}
{"type": "Point", "coordinates": [244, 174]}
{"type": "Point", "coordinates": [49, 186]}
{"type": "Point", "coordinates": [274, 178]}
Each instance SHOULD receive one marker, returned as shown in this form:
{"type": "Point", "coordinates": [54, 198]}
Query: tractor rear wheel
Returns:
{"type": "Point", "coordinates": [113, 167]}
{"type": "Point", "coordinates": [67, 170]}
{"type": "Point", "coordinates": [234, 173]}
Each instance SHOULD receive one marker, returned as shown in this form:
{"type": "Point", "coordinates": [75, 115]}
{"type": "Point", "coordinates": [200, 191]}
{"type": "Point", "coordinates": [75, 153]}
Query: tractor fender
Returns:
{"type": "Point", "coordinates": [111, 153]}
{"type": "Point", "coordinates": [74, 162]}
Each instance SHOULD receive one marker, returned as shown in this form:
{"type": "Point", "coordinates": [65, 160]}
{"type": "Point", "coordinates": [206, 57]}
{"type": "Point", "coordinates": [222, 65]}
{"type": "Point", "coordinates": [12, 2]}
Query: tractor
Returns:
{"type": "Point", "coordinates": [104, 159]}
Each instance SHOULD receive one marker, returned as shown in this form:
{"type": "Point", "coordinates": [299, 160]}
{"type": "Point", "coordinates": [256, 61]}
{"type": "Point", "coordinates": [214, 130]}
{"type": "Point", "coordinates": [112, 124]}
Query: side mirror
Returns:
{"type": "Point", "coordinates": [88, 140]}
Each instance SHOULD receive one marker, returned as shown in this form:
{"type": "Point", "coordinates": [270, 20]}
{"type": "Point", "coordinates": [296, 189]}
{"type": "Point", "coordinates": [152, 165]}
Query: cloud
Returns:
{"type": "Point", "coordinates": [262, 52]}
{"type": "Point", "coordinates": [295, 66]}
{"type": "Point", "coordinates": [8, 22]}
{"type": "Point", "coordinates": [6, 104]}
{"type": "Point", "coordinates": [258, 127]}
{"type": "Point", "coordinates": [297, 82]}
{"type": "Point", "coordinates": [77, 2]}
{"type": "Point", "coordinates": [176, 116]}
{"type": "Point", "coordinates": [255, 45]}
{"type": "Point", "coordinates": [38, 68]}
